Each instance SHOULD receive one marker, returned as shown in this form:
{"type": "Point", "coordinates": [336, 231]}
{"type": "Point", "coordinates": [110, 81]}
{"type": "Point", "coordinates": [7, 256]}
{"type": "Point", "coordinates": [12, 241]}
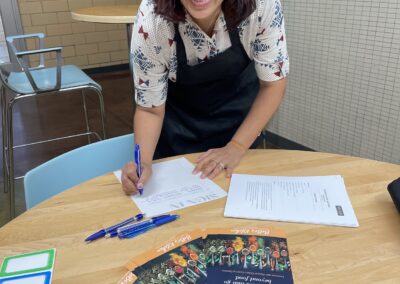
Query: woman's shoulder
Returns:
{"type": "Point", "coordinates": [150, 21]}
{"type": "Point", "coordinates": [262, 9]}
{"type": "Point", "coordinates": [263, 6]}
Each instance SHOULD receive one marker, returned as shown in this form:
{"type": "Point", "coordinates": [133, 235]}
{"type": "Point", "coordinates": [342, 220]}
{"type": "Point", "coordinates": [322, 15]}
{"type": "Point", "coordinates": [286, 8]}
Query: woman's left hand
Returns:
{"type": "Point", "coordinates": [214, 161]}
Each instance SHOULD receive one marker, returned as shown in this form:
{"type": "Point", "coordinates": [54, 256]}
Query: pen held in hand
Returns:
{"type": "Point", "coordinates": [138, 162]}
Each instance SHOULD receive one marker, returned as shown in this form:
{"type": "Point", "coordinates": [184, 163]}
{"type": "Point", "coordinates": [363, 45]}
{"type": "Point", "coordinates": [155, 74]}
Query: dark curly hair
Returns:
{"type": "Point", "coordinates": [235, 11]}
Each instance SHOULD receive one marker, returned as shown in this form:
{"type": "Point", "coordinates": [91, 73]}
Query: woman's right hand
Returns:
{"type": "Point", "coordinates": [130, 181]}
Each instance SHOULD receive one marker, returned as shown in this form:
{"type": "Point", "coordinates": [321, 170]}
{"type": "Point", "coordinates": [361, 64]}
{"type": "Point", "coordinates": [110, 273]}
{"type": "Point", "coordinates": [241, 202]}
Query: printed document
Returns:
{"type": "Point", "coordinates": [173, 186]}
{"type": "Point", "coordinates": [314, 199]}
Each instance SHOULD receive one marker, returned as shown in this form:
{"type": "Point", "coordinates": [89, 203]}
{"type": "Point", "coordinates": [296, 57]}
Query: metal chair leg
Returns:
{"type": "Point", "coordinates": [86, 114]}
{"type": "Point", "coordinates": [10, 150]}
{"type": "Point", "coordinates": [4, 134]}
{"type": "Point", "coordinates": [102, 112]}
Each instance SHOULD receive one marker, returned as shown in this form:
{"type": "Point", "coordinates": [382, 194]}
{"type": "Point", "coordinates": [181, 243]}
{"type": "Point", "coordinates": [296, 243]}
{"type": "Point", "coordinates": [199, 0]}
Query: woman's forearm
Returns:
{"type": "Point", "coordinates": [264, 106]}
{"type": "Point", "coordinates": [147, 128]}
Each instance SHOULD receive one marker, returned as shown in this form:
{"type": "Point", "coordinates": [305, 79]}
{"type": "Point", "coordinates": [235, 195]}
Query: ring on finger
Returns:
{"type": "Point", "coordinates": [221, 165]}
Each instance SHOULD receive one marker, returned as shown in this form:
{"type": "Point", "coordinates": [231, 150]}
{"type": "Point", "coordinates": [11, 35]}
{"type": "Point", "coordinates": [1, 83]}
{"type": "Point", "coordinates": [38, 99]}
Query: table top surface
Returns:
{"type": "Point", "coordinates": [119, 14]}
{"type": "Point", "coordinates": [319, 254]}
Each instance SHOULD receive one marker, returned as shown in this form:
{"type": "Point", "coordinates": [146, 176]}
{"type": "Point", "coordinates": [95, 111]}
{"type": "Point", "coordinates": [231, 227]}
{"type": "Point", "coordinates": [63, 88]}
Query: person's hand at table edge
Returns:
{"type": "Point", "coordinates": [130, 181]}
{"type": "Point", "coordinates": [214, 161]}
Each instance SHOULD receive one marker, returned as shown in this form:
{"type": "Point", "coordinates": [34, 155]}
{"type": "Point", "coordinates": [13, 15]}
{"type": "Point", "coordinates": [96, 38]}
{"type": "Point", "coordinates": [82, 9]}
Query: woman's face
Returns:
{"type": "Point", "coordinates": [202, 9]}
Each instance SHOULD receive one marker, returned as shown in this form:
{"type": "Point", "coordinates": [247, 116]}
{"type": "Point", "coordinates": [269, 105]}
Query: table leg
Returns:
{"type": "Point", "coordinates": [129, 28]}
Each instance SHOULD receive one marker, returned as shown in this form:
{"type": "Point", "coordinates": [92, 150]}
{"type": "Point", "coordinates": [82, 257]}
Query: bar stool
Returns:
{"type": "Point", "coordinates": [36, 81]}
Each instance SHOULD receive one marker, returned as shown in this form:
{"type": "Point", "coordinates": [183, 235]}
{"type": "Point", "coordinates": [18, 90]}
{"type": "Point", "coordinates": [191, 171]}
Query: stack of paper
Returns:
{"type": "Point", "coordinates": [315, 199]}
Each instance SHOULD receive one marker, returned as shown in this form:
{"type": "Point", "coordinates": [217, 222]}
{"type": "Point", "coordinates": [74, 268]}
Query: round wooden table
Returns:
{"type": "Point", "coordinates": [319, 254]}
{"type": "Point", "coordinates": [118, 14]}
{"type": "Point", "coordinates": [113, 14]}
{"type": "Point", "coordinates": [121, 14]}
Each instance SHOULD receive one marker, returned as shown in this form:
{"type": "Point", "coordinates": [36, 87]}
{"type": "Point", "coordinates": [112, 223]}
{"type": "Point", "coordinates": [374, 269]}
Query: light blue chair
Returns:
{"type": "Point", "coordinates": [24, 81]}
{"type": "Point", "coordinates": [77, 166]}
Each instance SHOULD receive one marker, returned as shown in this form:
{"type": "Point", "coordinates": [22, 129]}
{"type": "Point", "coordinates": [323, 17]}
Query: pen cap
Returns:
{"type": "Point", "coordinates": [95, 236]}
{"type": "Point", "coordinates": [166, 219]}
{"type": "Point", "coordinates": [394, 191]}
{"type": "Point", "coordinates": [137, 152]}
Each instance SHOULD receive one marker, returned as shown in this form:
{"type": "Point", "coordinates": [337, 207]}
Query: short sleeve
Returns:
{"type": "Point", "coordinates": [269, 46]}
{"type": "Point", "coordinates": [150, 72]}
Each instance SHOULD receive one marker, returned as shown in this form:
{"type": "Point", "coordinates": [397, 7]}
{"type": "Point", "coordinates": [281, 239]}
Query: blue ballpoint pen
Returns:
{"type": "Point", "coordinates": [138, 165]}
{"type": "Point", "coordinates": [140, 225]}
{"type": "Point", "coordinates": [135, 226]}
{"type": "Point", "coordinates": [104, 232]}
{"type": "Point", "coordinates": [133, 233]}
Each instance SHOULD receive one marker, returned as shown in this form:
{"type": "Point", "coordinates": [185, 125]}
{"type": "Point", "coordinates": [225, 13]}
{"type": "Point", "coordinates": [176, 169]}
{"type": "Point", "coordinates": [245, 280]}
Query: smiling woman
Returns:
{"type": "Point", "coordinates": [209, 74]}
{"type": "Point", "coordinates": [235, 11]}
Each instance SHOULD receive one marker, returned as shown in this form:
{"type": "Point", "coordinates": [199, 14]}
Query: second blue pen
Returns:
{"type": "Point", "coordinates": [127, 234]}
{"type": "Point", "coordinates": [139, 225]}
{"type": "Point", "coordinates": [107, 231]}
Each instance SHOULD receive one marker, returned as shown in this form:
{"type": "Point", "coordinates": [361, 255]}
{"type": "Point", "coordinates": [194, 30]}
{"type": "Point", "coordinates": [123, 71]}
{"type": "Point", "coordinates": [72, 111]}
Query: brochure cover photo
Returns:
{"type": "Point", "coordinates": [247, 255]}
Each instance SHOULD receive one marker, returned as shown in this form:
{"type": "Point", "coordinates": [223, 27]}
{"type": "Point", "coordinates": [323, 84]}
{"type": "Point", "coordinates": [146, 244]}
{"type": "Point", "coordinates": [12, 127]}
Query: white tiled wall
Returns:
{"type": "Point", "coordinates": [344, 86]}
{"type": "Point", "coordinates": [3, 45]}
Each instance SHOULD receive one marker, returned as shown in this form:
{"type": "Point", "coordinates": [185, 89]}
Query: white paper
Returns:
{"type": "Point", "coordinates": [317, 200]}
{"type": "Point", "coordinates": [173, 187]}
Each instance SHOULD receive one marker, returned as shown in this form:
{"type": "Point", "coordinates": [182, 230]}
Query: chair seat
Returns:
{"type": "Point", "coordinates": [71, 76]}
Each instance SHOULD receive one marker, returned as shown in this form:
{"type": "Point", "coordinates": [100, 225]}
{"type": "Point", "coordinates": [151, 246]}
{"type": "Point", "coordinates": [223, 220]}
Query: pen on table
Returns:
{"type": "Point", "coordinates": [138, 161]}
{"type": "Point", "coordinates": [161, 220]}
{"type": "Point", "coordinates": [104, 232]}
{"type": "Point", "coordinates": [142, 224]}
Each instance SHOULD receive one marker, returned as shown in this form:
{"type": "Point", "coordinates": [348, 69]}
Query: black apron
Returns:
{"type": "Point", "coordinates": [208, 101]}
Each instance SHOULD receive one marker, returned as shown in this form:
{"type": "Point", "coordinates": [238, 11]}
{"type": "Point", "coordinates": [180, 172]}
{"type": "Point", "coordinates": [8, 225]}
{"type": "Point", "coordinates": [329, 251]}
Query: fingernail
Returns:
{"type": "Point", "coordinates": [140, 186]}
{"type": "Point", "coordinates": [195, 172]}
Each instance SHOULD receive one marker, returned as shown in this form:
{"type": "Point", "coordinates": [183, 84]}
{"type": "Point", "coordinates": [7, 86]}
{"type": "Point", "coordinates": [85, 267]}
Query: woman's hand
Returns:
{"type": "Point", "coordinates": [214, 161]}
{"type": "Point", "coordinates": [130, 181]}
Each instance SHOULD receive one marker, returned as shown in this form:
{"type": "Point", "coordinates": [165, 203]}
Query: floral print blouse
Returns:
{"type": "Point", "coordinates": [153, 49]}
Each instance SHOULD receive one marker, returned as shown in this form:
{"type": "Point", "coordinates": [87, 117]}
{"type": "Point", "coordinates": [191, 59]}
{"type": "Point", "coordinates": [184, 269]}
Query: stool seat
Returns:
{"type": "Point", "coordinates": [71, 76]}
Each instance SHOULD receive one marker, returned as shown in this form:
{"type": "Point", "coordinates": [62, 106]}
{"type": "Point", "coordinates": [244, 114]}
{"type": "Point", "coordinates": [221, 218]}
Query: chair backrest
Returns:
{"type": "Point", "coordinates": [24, 63]}
{"type": "Point", "coordinates": [77, 166]}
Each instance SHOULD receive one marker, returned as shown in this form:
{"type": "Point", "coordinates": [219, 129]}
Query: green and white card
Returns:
{"type": "Point", "coordinates": [36, 267]}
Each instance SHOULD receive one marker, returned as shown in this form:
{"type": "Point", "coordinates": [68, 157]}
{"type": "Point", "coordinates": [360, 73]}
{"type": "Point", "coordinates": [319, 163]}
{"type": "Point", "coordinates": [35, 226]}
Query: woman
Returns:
{"type": "Point", "coordinates": [209, 74]}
